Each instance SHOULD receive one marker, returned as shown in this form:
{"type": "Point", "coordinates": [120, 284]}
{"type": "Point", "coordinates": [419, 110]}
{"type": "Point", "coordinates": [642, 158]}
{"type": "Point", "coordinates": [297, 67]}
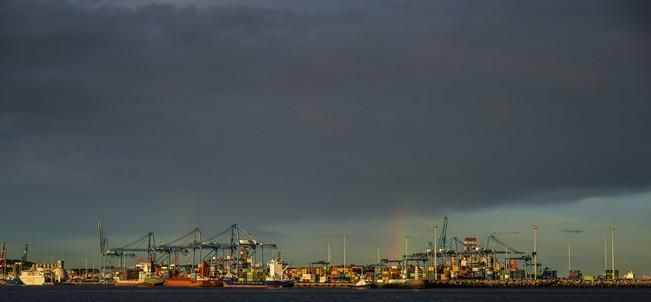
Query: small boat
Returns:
{"type": "Point", "coordinates": [363, 284]}
{"type": "Point", "coordinates": [14, 282]}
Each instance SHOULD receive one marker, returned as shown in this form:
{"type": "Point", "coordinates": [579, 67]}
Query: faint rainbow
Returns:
{"type": "Point", "coordinates": [397, 233]}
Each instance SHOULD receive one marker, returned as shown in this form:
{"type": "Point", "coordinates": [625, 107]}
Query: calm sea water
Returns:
{"type": "Point", "coordinates": [72, 294]}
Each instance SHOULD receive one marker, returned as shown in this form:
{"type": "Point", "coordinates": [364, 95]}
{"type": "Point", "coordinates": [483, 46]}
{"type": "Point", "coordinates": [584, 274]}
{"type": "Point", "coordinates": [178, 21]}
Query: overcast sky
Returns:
{"type": "Point", "coordinates": [302, 120]}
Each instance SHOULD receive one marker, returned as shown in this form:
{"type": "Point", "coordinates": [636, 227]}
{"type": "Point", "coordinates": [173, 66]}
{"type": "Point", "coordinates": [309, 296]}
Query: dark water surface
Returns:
{"type": "Point", "coordinates": [72, 294]}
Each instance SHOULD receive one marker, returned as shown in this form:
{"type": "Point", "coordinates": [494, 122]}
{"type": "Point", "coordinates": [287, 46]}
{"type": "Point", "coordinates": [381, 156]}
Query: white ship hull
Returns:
{"type": "Point", "coordinates": [36, 278]}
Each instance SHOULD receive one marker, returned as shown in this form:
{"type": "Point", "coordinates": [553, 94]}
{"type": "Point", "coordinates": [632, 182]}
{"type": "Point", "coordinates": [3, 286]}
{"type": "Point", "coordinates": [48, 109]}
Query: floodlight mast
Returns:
{"type": "Point", "coordinates": [535, 252]}
{"type": "Point", "coordinates": [612, 251]}
{"type": "Point", "coordinates": [435, 253]}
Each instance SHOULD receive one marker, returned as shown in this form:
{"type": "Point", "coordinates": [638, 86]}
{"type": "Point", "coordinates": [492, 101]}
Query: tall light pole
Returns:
{"type": "Point", "coordinates": [329, 254]}
{"type": "Point", "coordinates": [612, 251]}
{"type": "Point", "coordinates": [569, 258]}
{"type": "Point", "coordinates": [436, 226]}
{"type": "Point", "coordinates": [406, 246]}
{"type": "Point", "coordinates": [406, 257]}
{"type": "Point", "coordinates": [569, 250]}
{"type": "Point", "coordinates": [605, 254]}
{"type": "Point", "coordinates": [506, 263]}
{"type": "Point", "coordinates": [344, 253]}
{"type": "Point", "coordinates": [535, 252]}
{"type": "Point", "coordinates": [378, 254]}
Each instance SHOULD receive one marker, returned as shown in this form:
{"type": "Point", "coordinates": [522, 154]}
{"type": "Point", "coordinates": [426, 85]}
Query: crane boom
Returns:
{"type": "Point", "coordinates": [505, 245]}
{"type": "Point", "coordinates": [444, 232]}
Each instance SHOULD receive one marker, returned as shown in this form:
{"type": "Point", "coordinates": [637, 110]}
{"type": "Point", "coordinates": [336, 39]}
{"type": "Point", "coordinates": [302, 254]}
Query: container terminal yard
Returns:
{"type": "Point", "coordinates": [234, 258]}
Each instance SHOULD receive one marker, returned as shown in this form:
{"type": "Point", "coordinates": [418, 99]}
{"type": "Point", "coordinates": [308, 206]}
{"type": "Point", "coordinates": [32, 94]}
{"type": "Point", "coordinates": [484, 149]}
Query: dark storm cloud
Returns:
{"type": "Point", "coordinates": [291, 112]}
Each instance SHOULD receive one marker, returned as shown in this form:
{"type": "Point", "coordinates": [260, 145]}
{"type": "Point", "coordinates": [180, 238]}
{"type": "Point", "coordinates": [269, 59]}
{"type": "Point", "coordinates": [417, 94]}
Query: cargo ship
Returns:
{"type": "Point", "coordinates": [275, 279]}
{"type": "Point", "coordinates": [142, 281]}
{"type": "Point", "coordinates": [141, 276]}
{"type": "Point", "coordinates": [203, 279]}
{"type": "Point", "coordinates": [258, 284]}
{"type": "Point", "coordinates": [187, 281]}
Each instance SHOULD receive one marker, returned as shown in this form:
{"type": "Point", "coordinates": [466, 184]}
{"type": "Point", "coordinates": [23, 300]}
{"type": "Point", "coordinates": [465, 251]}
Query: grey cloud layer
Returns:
{"type": "Point", "coordinates": [298, 111]}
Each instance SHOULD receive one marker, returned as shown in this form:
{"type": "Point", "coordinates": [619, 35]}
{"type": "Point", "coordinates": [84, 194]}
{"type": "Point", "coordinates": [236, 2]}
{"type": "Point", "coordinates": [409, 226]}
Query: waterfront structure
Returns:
{"type": "Point", "coordinates": [234, 258]}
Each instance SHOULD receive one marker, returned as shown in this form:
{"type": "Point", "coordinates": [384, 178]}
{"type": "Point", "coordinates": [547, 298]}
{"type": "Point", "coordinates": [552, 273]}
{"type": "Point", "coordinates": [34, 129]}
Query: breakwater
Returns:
{"type": "Point", "coordinates": [540, 284]}
{"type": "Point", "coordinates": [452, 284]}
{"type": "Point", "coordinates": [500, 284]}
